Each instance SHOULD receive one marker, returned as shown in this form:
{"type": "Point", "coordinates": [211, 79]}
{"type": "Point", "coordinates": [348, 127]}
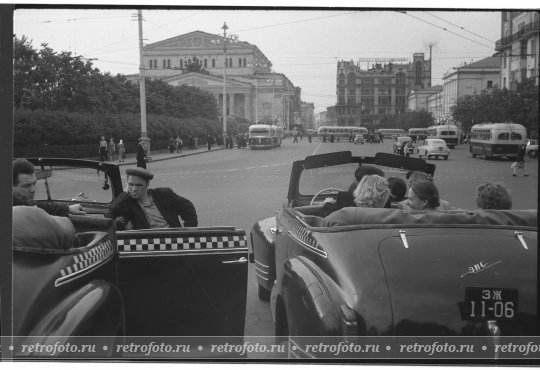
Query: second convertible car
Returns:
{"type": "Point", "coordinates": [390, 272]}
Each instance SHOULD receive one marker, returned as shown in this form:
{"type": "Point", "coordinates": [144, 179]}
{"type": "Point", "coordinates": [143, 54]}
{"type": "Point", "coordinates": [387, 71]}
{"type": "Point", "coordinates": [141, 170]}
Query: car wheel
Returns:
{"type": "Point", "coordinates": [263, 293]}
{"type": "Point", "coordinates": [533, 154]}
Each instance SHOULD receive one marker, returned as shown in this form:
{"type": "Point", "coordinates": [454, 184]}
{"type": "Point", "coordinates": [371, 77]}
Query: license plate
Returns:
{"type": "Point", "coordinates": [490, 304]}
{"type": "Point", "coordinates": [440, 149]}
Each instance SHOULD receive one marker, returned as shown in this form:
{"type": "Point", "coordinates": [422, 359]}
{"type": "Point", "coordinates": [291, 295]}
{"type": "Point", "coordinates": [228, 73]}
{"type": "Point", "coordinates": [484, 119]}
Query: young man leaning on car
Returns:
{"type": "Point", "coordinates": [145, 208]}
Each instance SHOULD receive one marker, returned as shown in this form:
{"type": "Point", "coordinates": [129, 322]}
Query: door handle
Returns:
{"type": "Point", "coordinates": [240, 260]}
{"type": "Point", "coordinates": [275, 230]}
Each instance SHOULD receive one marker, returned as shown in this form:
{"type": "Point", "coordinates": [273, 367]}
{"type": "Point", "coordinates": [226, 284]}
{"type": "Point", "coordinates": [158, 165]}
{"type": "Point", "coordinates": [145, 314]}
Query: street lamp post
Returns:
{"type": "Point", "coordinates": [224, 28]}
{"type": "Point", "coordinates": [142, 90]}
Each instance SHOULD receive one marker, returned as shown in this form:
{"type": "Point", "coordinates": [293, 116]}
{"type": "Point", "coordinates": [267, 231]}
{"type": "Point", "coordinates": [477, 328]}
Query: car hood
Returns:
{"type": "Point", "coordinates": [422, 280]}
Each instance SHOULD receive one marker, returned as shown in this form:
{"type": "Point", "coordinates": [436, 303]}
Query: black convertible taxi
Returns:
{"type": "Point", "coordinates": [391, 272]}
{"type": "Point", "coordinates": [110, 283]}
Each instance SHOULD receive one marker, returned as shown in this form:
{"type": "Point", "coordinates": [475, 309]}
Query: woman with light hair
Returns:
{"type": "Point", "coordinates": [372, 192]}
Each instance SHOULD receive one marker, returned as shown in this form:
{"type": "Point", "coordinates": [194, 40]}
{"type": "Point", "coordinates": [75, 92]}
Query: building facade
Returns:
{"type": "Point", "coordinates": [469, 79]}
{"type": "Point", "coordinates": [418, 98]}
{"type": "Point", "coordinates": [307, 115]}
{"type": "Point", "coordinates": [368, 97]}
{"type": "Point", "coordinates": [253, 91]}
{"type": "Point", "coordinates": [435, 106]}
{"type": "Point", "coordinates": [518, 47]}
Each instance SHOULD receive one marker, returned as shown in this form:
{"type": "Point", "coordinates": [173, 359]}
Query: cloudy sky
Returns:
{"type": "Point", "coordinates": [304, 44]}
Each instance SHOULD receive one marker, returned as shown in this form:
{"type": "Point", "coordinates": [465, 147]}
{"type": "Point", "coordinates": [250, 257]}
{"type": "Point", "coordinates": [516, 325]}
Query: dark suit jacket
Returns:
{"type": "Point", "coordinates": [169, 204]}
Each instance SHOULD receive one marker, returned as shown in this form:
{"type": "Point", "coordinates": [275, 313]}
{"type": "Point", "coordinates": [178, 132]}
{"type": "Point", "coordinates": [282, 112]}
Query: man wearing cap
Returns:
{"type": "Point", "coordinates": [151, 208]}
{"type": "Point", "coordinates": [141, 154]}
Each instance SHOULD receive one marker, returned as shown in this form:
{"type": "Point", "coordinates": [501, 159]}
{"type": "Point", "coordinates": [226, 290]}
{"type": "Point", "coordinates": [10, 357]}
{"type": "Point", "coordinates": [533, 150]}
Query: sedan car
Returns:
{"type": "Point", "coordinates": [433, 148]}
{"type": "Point", "coordinates": [104, 282]}
{"type": "Point", "coordinates": [400, 143]}
{"type": "Point", "coordinates": [390, 272]}
{"type": "Point", "coordinates": [359, 139]}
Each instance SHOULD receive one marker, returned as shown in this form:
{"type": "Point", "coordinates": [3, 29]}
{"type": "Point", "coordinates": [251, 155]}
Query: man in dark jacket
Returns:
{"type": "Point", "coordinates": [141, 155]}
{"type": "Point", "coordinates": [24, 190]}
{"type": "Point", "coordinates": [151, 208]}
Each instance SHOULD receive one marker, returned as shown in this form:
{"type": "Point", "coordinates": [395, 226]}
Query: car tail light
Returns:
{"type": "Point", "coordinates": [349, 323]}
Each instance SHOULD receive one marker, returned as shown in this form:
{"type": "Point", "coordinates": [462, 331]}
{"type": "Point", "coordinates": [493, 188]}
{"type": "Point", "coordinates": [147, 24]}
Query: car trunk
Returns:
{"type": "Point", "coordinates": [462, 280]}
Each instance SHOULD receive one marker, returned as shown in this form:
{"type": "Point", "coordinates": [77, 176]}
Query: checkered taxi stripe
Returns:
{"type": "Point", "coordinates": [85, 261]}
{"type": "Point", "coordinates": [181, 243]}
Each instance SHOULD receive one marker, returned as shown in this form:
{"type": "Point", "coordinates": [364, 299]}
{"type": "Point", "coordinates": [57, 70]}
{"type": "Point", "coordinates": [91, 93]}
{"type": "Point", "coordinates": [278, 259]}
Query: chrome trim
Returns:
{"type": "Point", "coordinates": [262, 277]}
{"type": "Point", "coordinates": [263, 265]}
{"type": "Point", "coordinates": [519, 235]}
{"type": "Point", "coordinates": [262, 271]}
{"type": "Point", "coordinates": [403, 236]}
{"type": "Point", "coordinates": [483, 267]}
{"type": "Point", "coordinates": [494, 335]}
{"type": "Point", "coordinates": [275, 230]}
{"type": "Point", "coordinates": [240, 260]}
{"type": "Point", "coordinates": [311, 248]}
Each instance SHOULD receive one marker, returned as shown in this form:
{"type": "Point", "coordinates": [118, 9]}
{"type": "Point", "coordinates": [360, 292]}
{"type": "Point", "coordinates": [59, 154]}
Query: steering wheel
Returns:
{"type": "Point", "coordinates": [332, 191]}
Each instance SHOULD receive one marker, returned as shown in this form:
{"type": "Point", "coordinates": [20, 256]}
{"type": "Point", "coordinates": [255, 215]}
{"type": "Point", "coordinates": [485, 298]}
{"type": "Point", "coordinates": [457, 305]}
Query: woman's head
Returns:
{"type": "Point", "coordinates": [371, 192]}
{"type": "Point", "coordinates": [492, 196]}
{"type": "Point", "coordinates": [423, 195]}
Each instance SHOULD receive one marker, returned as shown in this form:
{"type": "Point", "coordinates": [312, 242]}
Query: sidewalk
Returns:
{"type": "Point", "coordinates": [162, 155]}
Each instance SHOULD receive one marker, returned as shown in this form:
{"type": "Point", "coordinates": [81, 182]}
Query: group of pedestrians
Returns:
{"type": "Point", "coordinates": [110, 150]}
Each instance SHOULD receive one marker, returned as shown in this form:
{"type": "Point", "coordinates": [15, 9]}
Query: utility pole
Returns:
{"type": "Point", "coordinates": [224, 28]}
{"type": "Point", "coordinates": [142, 74]}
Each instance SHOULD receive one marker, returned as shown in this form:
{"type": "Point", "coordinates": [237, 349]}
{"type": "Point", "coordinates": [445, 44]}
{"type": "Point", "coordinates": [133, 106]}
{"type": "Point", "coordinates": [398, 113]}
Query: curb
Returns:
{"type": "Point", "coordinates": [171, 157]}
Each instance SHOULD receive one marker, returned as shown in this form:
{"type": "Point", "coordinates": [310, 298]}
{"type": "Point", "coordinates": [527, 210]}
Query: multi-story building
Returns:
{"type": "Point", "coordinates": [367, 97]}
{"type": "Point", "coordinates": [469, 79]}
{"type": "Point", "coordinates": [518, 47]}
{"type": "Point", "coordinates": [253, 91]}
{"type": "Point", "coordinates": [307, 117]}
{"type": "Point", "coordinates": [435, 106]}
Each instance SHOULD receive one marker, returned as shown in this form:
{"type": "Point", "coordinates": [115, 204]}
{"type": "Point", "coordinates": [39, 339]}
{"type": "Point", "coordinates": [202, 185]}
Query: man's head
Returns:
{"type": "Point", "coordinates": [138, 180]}
{"type": "Point", "coordinates": [24, 182]}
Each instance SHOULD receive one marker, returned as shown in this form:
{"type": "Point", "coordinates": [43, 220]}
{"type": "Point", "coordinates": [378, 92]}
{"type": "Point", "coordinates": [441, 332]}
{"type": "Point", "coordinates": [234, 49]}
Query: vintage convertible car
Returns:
{"type": "Point", "coordinates": [104, 282]}
{"type": "Point", "coordinates": [389, 272]}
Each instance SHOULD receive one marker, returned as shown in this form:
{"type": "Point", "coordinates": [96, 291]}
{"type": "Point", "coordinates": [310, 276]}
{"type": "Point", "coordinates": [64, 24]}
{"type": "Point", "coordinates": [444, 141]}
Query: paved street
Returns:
{"type": "Point", "coordinates": [237, 187]}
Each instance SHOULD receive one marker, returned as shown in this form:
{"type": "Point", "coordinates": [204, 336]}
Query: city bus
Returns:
{"type": "Point", "coordinates": [491, 140]}
{"type": "Point", "coordinates": [449, 133]}
{"type": "Point", "coordinates": [340, 132]}
{"type": "Point", "coordinates": [418, 133]}
{"type": "Point", "coordinates": [390, 132]}
{"type": "Point", "coordinates": [265, 136]}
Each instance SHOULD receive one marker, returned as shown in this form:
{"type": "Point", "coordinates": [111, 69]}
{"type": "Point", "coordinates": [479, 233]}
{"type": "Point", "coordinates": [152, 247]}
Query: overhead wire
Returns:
{"type": "Point", "coordinates": [460, 27]}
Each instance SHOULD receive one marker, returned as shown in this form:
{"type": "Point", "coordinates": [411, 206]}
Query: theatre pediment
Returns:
{"type": "Point", "coordinates": [196, 39]}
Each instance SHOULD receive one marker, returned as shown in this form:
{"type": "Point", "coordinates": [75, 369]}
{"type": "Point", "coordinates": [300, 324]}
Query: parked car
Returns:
{"type": "Point", "coordinates": [399, 144]}
{"type": "Point", "coordinates": [433, 148]}
{"type": "Point", "coordinates": [532, 148]}
{"type": "Point", "coordinates": [359, 139]}
{"type": "Point", "coordinates": [389, 272]}
{"type": "Point", "coordinates": [155, 282]}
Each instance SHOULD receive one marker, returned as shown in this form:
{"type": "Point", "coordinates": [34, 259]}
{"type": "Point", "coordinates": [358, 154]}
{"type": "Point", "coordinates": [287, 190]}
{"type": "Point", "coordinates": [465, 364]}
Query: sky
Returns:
{"type": "Point", "coordinates": [305, 44]}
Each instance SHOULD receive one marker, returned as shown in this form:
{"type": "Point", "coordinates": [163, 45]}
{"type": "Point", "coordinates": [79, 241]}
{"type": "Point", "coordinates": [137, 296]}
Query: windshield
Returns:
{"type": "Point", "coordinates": [337, 177]}
{"type": "Point", "coordinates": [72, 183]}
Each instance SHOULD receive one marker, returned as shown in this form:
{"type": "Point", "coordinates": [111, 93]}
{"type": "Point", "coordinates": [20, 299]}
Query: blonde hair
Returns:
{"type": "Point", "coordinates": [371, 192]}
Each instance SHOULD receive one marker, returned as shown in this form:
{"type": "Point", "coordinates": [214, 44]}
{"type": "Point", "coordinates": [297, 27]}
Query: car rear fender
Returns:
{"type": "Point", "coordinates": [95, 309]}
{"type": "Point", "coordinates": [263, 242]}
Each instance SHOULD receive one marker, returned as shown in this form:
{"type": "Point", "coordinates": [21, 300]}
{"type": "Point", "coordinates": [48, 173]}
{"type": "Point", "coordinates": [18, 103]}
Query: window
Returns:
{"type": "Point", "coordinates": [150, 64]}
{"type": "Point", "coordinates": [400, 78]}
{"type": "Point", "coordinates": [523, 74]}
{"type": "Point", "coordinates": [368, 81]}
{"type": "Point", "coordinates": [504, 136]}
{"type": "Point", "coordinates": [351, 100]}
{"type": "Point", "coordinates": [352, 91]}
{"type": "Point", "coordinates": [239, 62]}
{"type": "Point", "coordinates": [245, 62]}
{"type": "Point", "coordinates": [384, 100]}
{"type": "Point", "coordinates": [341, 79]}
{"type": "Point", "coordinates": [515, 136]}
{"type": "Point", "coordinates": [155, 63]}
{"type": "Point", "coordinates": [181, 63]}
{"type": "Point", "coordinates": [366, 91]}
{"type": "Point", "coordinates": [341, 92]}
{"type": "Point", "coordinates": [418, 73]}
{"type": "Point", "coordinates": [168, 63]}
{"type": "Point", "coordinates": [504, 82]}
{"type": "Point", "coordinates": [230, 62]}
{"type": "Point", "coordinates": [523, 49]}
{"type": "Point", "coordinates": [385, 91]}
{"type": "Point", "coordinates": [213, 63]}
{"type": "Point", "coordinates": [400, 91]}
{"type": "Point", "coordinates": [400, 100]}
{"type": "Point", "coordinates": [385, 81]}
{"type": "Point", "coordinates": [489, 84]}
{"type": "Point", "coordinates": [205, 63]}
{"type": "Point", "coordinates": [164, 63]}
{"type": "Point", "coordinates": [504, 60]}
{"type": "Point", "coordinates": [351, 79]}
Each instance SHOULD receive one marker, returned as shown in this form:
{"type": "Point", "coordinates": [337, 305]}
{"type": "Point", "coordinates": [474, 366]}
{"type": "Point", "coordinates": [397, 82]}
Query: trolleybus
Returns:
{"type": "Point", "coordinates": [449, 133]}
{"type": "Point", "coordinates": [391, 132]}
{"type": "Point", "coordinates": [341, 132]}
{"type": "Point", "coordinates": [496, 139]}
{"type": "Point", "coordinates": [418, 133]}
{"type": "Point", "coordinates": [265, 136]}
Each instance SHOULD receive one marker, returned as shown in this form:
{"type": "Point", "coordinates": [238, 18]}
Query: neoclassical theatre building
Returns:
{"type": "Point", "coordinates": [253, 91]}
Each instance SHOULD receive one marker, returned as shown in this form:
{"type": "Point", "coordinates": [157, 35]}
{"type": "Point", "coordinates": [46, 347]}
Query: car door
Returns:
{"type": "Point", "coordinates": [183, 282]}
